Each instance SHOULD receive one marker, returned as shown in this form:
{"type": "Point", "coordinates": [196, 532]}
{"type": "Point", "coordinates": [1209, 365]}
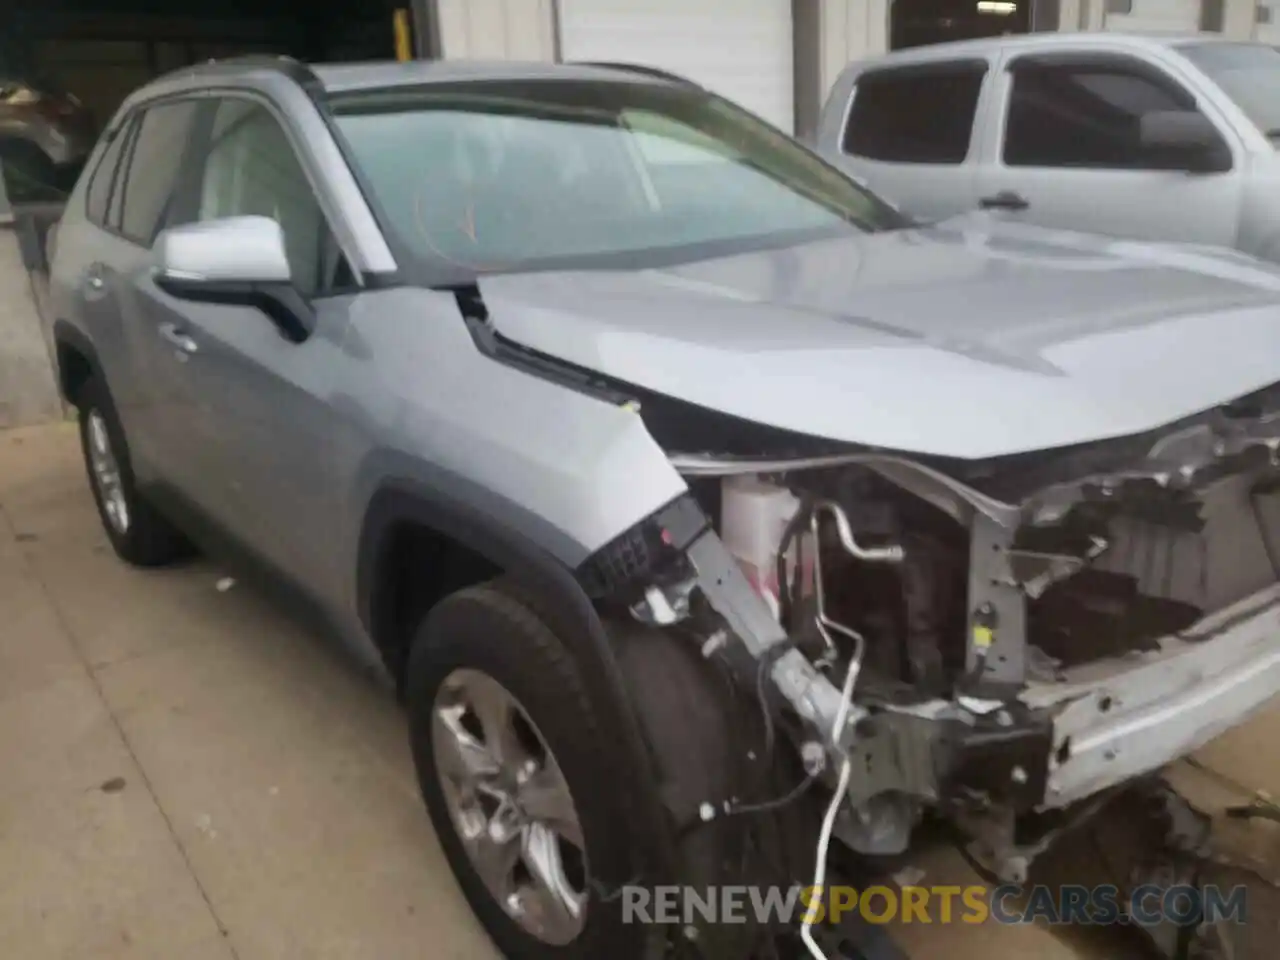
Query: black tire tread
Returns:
{"type": "Point", "coordinates": [533, 653]}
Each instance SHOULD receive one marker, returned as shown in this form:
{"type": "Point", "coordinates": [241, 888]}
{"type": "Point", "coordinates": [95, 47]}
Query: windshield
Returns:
{"type": "Point", "coordinates": [503, 176]}
{"type": "Point", "coordinates": [1249, 73]}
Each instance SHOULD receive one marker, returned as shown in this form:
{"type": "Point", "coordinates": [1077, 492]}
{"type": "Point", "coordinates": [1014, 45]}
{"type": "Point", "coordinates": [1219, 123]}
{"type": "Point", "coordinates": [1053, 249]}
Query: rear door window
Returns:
{"type": "Point", "coordinates": [105, 175]}
{"type": "Point", "coordinates": [151, 175]}
{"type": "Point", "coordinates": [1087, 113]}
{"type": "Point", "coordinates": [921, 114]}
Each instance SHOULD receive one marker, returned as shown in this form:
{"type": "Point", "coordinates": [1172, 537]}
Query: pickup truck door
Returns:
{"type": "Point", "coordinates": [911, 132]}
{"type": "Point", "coordinates": [1064, 151]}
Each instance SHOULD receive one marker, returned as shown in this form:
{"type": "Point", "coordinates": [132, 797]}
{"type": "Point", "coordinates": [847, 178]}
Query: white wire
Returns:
{"type": "Point", "coordinates": [829, 821]}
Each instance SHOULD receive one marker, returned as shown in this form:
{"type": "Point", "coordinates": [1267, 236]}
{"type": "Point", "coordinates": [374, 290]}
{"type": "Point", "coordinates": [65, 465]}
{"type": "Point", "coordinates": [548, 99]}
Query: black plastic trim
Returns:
{"type": "Point", "coordinates": [65, 333]}
{"type": "Point", "coordinates": [1103, 60]}
{"type": "Point", "coordinates": [297, 71]}
{"type": "Point", "coordinates": [647, 552]}
{"type": "Point", "coordinates": [639, 69]}
{"type": "Point", "coordinates": [927, 68]}
{"type": "Point", "coordinates": [281, 302]}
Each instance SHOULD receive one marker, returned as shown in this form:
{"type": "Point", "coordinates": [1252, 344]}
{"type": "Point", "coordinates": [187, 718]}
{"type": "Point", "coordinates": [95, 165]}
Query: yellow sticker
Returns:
{"type": "Point", "coordinates": [983, 636]}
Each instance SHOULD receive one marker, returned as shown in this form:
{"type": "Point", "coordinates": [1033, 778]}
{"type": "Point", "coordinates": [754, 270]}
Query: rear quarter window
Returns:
{"type": "Point", "coordinates": [916, 114]}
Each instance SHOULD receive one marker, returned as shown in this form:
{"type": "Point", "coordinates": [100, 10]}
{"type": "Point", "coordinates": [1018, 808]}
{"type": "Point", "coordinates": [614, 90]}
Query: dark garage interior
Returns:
{"type": "Point", "coordinates": [71, 62]}
{"type": "Point", "coordinates": [914, 23]}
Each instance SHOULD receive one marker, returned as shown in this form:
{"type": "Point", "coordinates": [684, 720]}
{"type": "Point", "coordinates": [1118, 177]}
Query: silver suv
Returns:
{"type": "Point", "coordinates": [711, 520]}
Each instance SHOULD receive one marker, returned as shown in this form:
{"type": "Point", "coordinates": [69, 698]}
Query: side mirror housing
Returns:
{"type": "Point", "coordinates": [1188, 138]}
{"type": "Point", "coordinates": [238, 261]}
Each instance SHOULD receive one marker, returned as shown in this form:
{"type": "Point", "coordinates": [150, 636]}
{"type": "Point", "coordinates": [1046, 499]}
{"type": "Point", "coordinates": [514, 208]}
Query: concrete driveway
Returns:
{"type": "Point", "coordinates": [184, 773]}
{"type": "Point", "coordinates": [187, 773]}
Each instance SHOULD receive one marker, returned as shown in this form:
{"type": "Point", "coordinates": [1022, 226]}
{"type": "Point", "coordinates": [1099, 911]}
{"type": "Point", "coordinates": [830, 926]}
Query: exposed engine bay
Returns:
{"type": "Point", "coordinates": [1001, 642]}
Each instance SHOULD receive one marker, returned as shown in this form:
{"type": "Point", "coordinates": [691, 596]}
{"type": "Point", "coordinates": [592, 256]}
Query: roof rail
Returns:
{"type": "Point", "coordinates": [293, 68]}
{"type": "Point", "coordinates": [637, 68]}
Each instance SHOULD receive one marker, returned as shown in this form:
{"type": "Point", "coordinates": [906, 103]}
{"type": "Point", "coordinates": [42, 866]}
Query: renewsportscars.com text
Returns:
{"type": "Point", "coordinates": [1102, 905]}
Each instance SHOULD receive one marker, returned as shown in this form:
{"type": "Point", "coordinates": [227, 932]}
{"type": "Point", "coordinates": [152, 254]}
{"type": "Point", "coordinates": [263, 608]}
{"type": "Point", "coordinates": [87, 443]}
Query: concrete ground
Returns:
{"type": "Point", "coordinates": [187, 773]}
{"type": "Point", "coordinates": [28, 393]}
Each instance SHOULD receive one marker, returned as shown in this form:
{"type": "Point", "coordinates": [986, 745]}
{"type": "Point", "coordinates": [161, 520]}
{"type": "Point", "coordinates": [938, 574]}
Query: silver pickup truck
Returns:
{"type": "Point", "coordinates": [1156, 138]}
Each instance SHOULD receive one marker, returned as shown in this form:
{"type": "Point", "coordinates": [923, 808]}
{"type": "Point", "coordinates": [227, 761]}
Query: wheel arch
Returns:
{"type": "Point", "coordinates": [548, 585]}
{"type": "Point", "coordinates": [406, 525]}
{"type": "Point", "coordinates": [76, 357]}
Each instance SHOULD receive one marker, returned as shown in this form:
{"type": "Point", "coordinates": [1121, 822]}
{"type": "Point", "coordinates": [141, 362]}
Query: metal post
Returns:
{"type": "Point", "coordinates": [426, 29]}
{"type": "Point", "coordinates": [806, 25]}
{"type": "Point", "coordinates": [1046, 16]}
{"type": "Point", "coordinates": [403, 34]}
{"type": "Point", "coordinates": [557, 35]}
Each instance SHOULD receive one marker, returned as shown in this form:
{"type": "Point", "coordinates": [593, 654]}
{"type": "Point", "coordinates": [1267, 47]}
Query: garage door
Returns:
{"type": "Point", "coordinates": [741, 49]}
{"type": "Point", "coordinates": [1159, 15]}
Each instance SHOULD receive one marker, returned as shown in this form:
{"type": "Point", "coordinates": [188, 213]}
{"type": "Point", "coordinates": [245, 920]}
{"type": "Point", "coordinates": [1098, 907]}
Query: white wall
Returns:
{"type": "Point", "coordinates": [1238, 20]}
{"type": "Point", "coordinates": [1269, 32]}
{"type": "Point", "coordinates": [497, 29]}
{"type": "Point", "coordinates": [1240, 17]}
{"type": "Point", "coordinates": [1159, 15]}
{"type": "Point", "coordinates": [851, 29]}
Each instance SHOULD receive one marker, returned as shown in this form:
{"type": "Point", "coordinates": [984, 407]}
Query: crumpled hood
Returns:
{"type": "Point", "coordinates": [975, 338]}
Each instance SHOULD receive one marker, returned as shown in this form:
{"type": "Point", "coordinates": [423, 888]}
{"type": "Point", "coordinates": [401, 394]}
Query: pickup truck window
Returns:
{"type": "Point", "coordinates": [1249, 73]}
{"type": "Point", "coordinates": [1086, 114]}
{"type": "Point", "coordinates": [915, 114]}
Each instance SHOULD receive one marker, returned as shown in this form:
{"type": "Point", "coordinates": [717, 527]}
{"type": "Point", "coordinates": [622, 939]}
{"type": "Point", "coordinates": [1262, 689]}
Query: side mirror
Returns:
{"type": "Point", "coordinates": [237, 261]}
{"type": "Point", "coordinates": [1188, 138]}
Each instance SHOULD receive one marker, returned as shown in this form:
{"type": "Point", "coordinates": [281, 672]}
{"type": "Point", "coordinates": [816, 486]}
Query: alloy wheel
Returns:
{"type": "Point", "coordinates": [105, 470]}
{"type": "Point", "coordinates": [511, 806]}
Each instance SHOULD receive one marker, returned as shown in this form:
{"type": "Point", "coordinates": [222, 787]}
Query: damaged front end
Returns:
{"type": "Point", "coordinates": [1005, 642]}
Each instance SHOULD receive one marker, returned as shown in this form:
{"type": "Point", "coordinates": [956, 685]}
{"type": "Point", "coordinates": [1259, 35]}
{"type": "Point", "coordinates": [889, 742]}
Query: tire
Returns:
{"type": "Point", "coordinates": [487, 631]}
{"type": "Point", "coordinates": [144, 538]}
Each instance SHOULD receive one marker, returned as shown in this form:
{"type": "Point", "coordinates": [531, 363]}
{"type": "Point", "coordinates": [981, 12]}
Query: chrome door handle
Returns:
{"type": "Point", "coordinates": [94, 280]}
{"type": "Point", "coordinates": [177, 338]}
{"type": "Point", "coordinates": [1004, 200]}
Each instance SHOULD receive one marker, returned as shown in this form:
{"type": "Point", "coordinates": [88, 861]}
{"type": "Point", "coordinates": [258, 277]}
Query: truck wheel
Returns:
{"type": "Point", "coordinates": [138, 533]}
{"type": "Point", "coordinates": [509, 757]}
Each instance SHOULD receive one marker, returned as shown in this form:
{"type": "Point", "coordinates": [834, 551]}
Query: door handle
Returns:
{"type": "Point", "coordinates": [179, 340]}
{"type": "Point", "coordinates": [1004, 200]}
{"type": "Point", "coordinates": [94, 281]}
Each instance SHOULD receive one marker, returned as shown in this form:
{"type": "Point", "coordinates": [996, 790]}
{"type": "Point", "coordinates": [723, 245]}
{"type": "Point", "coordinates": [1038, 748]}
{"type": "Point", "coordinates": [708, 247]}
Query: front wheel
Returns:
{"type": "Point", "coordinates": [509, 756]}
